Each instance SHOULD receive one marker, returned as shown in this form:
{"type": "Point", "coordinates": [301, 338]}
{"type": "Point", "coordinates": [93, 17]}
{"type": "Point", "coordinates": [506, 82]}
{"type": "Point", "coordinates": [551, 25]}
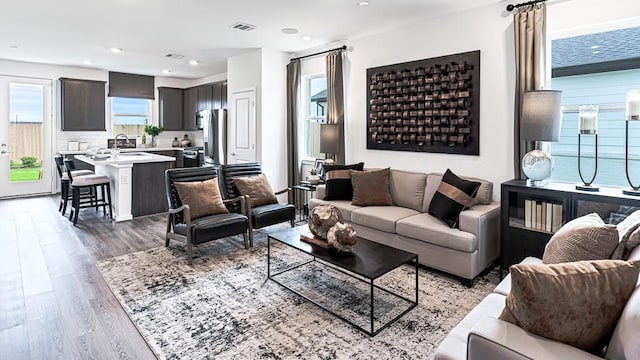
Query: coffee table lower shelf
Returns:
{"type": "Point", "coordinates": [370, 281]}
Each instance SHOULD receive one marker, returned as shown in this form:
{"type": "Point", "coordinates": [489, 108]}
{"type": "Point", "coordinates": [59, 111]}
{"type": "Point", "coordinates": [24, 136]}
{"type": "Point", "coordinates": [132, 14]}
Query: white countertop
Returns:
{"type": "Point", "coordinates": [126, 160]}
{"type": "Point", "coordinates": [166, 148]}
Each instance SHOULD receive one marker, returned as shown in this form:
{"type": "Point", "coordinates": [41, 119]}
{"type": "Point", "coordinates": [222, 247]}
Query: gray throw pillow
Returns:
{"type": "Point", "coordinates": [584, 238]}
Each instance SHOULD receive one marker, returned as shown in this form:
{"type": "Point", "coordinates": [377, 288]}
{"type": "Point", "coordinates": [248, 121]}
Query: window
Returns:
{"type": "Point", "coordinates": [597, 69]}
{"type": "Point", "coordinates": [315, 100]}
{"type": "Point", "coordinates": [129, 115]}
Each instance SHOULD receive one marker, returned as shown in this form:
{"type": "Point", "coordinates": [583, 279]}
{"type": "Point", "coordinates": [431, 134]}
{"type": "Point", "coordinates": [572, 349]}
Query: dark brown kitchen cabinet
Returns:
{"type": "Point", "coordinates": [82, 105]}
{"type": "Point", "coordinates": [170, 106]}
{"type": "Point", "coordinates": [217, 96]}
{"type": "Point", "coordinates": [190, 108]}
{"type": "Point", "coordinates": [205, 97]}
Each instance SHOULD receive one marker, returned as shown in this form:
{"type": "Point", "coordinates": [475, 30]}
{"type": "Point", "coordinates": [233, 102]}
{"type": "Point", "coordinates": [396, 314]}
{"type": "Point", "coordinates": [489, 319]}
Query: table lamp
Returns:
{"type": "Point", "coordinates": [541, 119]}
{"type": "Point", "coordinates": [632, 115]}
{"type": "Point", "coordinates": [329, 140]}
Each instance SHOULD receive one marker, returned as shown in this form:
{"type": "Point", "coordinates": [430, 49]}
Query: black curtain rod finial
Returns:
{"type": "Point", "coordinates": [510, 7]}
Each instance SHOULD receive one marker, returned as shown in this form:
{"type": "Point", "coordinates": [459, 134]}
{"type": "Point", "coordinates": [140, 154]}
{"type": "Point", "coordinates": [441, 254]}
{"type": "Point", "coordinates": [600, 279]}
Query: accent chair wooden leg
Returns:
{"type": "Point", "coordinates": [189, 250]}
{"type": "Point", "coordinates": [292, 222]}
{"type": "Point", "coordinates": [166, 236]}
{"type": "Point", "coordinates": [250, 237]}
{"type": "Point", "coordinates": [246, 241]}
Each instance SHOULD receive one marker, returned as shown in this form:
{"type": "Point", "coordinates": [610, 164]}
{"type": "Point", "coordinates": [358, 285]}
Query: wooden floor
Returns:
{"type": "Point", "coordinates": [54, 303]}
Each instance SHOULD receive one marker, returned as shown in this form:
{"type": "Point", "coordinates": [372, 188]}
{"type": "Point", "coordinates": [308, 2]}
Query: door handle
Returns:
{"type": "Point", "coordinates": [3, 149]}
{"type": "Point", "coordinates": [232, 154]}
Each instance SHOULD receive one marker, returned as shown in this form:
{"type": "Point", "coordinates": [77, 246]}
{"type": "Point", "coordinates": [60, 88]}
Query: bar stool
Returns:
{"type": "Point", "coordinates": [90, 183]}
{"type": "Point", "coordinates": [65, 196]}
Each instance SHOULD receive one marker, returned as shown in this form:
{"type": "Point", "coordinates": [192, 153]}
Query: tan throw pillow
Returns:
{"type": "Point", "coordinates": [575, 303]}
{"type": "Point", "coordinates": [584, 238]}
{"type": "Point", "coordinates": [203, 197]}
{"type": "Point", "coordinates": [371, 187]}
{"type": "Point", "coordinates": [257, 188]}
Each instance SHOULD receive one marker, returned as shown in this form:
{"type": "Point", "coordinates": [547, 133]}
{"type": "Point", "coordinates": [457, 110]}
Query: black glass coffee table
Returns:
{"type": "Point", "coordinates": [370, 260]}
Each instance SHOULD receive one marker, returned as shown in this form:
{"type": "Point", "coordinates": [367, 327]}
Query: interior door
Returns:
{"type": "Point", "coordinates": [25, 136]}
{"type": "Point", "coordinates": [242, 127]}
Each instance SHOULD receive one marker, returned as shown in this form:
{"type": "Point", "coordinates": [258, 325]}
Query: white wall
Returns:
{"type": "Point", "coordinates": [488, 29]}
{"type": "Point", "coordinates": [274, 117]}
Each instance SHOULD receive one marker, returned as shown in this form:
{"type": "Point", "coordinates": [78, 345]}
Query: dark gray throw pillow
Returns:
{"type": "Point", "coordinates": [453, 195]}
{"type": "Point", "coordinates": [338, 181]}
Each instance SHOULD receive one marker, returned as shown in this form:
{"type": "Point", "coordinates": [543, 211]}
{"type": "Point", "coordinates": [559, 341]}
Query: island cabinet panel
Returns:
{"type": "Point", "coordinates": [148, 195]}
{"type": "Point", "coordinates": [82, 105]}
{"type": "Point", "coordinates": [170, 106]}
{"type": "Point", "coordinates": [173, 153]}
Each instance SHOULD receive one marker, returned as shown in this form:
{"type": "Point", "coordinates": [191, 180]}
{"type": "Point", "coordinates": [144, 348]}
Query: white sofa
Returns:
{"type": "Point", "coordinates": [480, 335]}
{"type": "Point", "coordinates": [464, 252]}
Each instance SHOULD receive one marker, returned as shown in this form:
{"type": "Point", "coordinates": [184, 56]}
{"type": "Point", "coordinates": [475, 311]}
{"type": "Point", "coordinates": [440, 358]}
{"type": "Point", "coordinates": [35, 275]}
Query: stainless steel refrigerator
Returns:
{"type": "Point", "coordinates": [214, 127]}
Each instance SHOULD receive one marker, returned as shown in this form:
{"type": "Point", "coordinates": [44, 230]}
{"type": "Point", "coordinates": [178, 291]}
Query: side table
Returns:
{"type": "Point", "coordinates": [303, 193]}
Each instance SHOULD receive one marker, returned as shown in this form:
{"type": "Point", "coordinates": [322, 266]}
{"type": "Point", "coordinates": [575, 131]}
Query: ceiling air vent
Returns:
{"type": "Point", "coordinates": [243, 26]}
{"type": "Point", "coordinates": [174, 56]}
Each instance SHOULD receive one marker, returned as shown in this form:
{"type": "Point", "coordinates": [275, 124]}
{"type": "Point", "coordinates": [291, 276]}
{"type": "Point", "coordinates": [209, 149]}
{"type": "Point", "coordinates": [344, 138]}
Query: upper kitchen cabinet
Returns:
{"type": "Point", "coordinates": [82, 105]}
{"type": "Point", "coordinates": [217, 96]}
{"type": "Point", "coordinates": [190, 108]}
{"type": "Point", "coordinates": [170, 106]}
{"type": "Point", "coordinates": [205, 97]}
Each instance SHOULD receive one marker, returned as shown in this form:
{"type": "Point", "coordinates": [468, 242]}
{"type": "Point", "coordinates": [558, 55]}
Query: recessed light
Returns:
{"type": "Point", "coordinates": [194, 62]}
{"type": "Point", "coordinates": [88, 62]}
{"type": "Point", "coordinates": [166, 71]}
{"type": "Point", "coordinates": [289, 31]}
{"type": "Point", "coordinates": [306, 38]}
{"type": "Point", "coordinates": [363, 3]}
{"type": "Point", "coordinates": [13, 47]}
{"type": "Point", "coordinates": [115, 50]}
{"type": "Point", "coordinates": [595, 47]}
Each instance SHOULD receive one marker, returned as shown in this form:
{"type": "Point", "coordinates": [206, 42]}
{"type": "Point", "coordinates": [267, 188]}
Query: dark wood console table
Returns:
{"type": "Point", "coordinates": [519, 237]}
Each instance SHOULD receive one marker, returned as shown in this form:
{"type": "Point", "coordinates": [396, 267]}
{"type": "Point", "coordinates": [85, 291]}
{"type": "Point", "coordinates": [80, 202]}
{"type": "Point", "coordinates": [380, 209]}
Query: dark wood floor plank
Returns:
{"type": "Point", "coordinates": [69, 311]}
{"type": "Point", "coordinates": [46, 329]}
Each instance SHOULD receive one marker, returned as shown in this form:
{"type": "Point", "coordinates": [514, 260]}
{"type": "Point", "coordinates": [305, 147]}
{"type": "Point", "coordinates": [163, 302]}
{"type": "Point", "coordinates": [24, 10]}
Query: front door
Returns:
{"type": "Point", "coordinates": [242, 127]}
{"type": "Point", "coordinates": [25, 136]}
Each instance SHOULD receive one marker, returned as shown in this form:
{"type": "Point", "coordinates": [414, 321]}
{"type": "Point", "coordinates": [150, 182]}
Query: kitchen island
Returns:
{"type": "Point", "coordinates": [137, 182]}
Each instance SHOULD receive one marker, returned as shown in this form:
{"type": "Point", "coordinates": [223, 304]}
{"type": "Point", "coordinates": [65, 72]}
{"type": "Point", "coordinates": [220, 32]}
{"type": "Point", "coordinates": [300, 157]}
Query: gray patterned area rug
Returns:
{"type": "Point", "coordinates": [222, 307]}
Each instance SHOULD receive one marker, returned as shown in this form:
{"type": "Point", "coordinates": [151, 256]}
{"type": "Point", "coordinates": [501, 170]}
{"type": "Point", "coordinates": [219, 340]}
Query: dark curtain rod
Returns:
{"type": "Point", "coordinates": [342, 48]}
{"type": "Point", "coordinates": [510, 7]}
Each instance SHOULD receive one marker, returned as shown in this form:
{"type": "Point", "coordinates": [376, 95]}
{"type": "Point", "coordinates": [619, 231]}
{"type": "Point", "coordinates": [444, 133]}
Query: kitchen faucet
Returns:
{"type": "Point", "coordinates": [115, 142]}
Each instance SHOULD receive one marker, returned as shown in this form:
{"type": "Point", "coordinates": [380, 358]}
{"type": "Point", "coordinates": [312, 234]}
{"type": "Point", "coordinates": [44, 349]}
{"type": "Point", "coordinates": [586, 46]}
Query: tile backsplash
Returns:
{"type": "Point", "coordinates": [98, 139]}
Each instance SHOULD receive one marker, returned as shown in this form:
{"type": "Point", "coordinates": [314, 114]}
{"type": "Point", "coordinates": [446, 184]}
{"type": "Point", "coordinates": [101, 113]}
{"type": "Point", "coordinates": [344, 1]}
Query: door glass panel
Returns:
{"type": "Point", "coordinates": [26, 115]}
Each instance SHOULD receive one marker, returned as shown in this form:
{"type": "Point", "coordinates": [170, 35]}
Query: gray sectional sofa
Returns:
{"type": "Point", "coordinates": [464, 252]}
{"type": "Point", "coordinates": [481, 335]}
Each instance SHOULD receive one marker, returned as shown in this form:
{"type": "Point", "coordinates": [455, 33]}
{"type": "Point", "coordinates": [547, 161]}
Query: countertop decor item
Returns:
{"type": "Point", "coordinates": [175, 142]}
{"type": "Point", "coordinates": [587, 125]}
{"type": "Point", "coordinates": [153, 131]}
{"type": "Point", "coordinates": [185, 142]}
{"type": "Point", "coordinates": [541, 121]}
{"type": "Point", "coordinates": [632, 115]}
{"type": "Point", "coordinates": [341, 237]}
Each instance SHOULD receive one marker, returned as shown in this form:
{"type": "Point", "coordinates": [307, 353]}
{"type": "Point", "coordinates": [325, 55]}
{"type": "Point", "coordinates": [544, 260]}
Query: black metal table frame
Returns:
{"type": "Point", "coordinates": [373, 331]}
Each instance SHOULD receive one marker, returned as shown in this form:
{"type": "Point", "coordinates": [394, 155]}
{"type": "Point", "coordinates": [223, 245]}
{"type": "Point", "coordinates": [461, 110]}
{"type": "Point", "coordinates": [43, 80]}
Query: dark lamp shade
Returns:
{"type": "Point", "coordinates": [328, 138]}
{"type": "Point", "coordinates": [541, 115]}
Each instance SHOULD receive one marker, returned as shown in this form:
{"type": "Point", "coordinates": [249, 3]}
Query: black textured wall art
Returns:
{"type": "Point", "coordinates": [430, 105]}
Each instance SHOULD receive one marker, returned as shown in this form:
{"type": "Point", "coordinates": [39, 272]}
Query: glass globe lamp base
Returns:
{"type": "Point", "coordinates": [537, 165]}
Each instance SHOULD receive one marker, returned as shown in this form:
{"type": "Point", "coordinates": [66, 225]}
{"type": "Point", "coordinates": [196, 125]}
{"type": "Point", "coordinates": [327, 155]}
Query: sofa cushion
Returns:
{"type": "Point", "coordinates": [407, 188]}
{"type": "Point", "coordinates": [344, 205]}
{"type": "Point", "coordinates": [624, 343]}
{"type": "Point", "coordinates": [257, 188]}
{"type": "Point", "coordinates": [454, 346]}
{"type": "Point", "coordinates": [629, 236]}
{"type": "Point", "coordinates": [575, 303]}
{"type": "Point", "coordinates": [504, 287]}
{"type": "Point", "coordinates": [583, 238]}
{"type": "Point", "coordinates": [371, 187]}
{"type": "Point", "coordinates": [338, 181]}
{"type": "Point", "coordinates": [484, 195]}
{"type": "Point", "coordinates": [429, 229]}
{"type": "Point", "coordinates": [203, 197]}
{"type": "Point", "coordinates": [381, 218]}
{"type": "Point", "coordinates": [453, 195]}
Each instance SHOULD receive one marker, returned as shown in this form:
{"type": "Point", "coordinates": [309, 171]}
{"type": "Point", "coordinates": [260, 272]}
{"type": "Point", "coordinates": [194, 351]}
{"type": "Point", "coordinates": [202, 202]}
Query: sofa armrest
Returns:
{"type": "Point", "coordinates": [481, 220]}
{"type": "Point", "coordinates": [497, 339]}
{"type": "Point", "coordinates": [320, 189]}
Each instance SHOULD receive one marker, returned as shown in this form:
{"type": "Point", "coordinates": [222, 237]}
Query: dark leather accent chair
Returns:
{"type": "Point", "coordinates": [260, 216]}
{"type": "Point", "coordinates": [180, 225]}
